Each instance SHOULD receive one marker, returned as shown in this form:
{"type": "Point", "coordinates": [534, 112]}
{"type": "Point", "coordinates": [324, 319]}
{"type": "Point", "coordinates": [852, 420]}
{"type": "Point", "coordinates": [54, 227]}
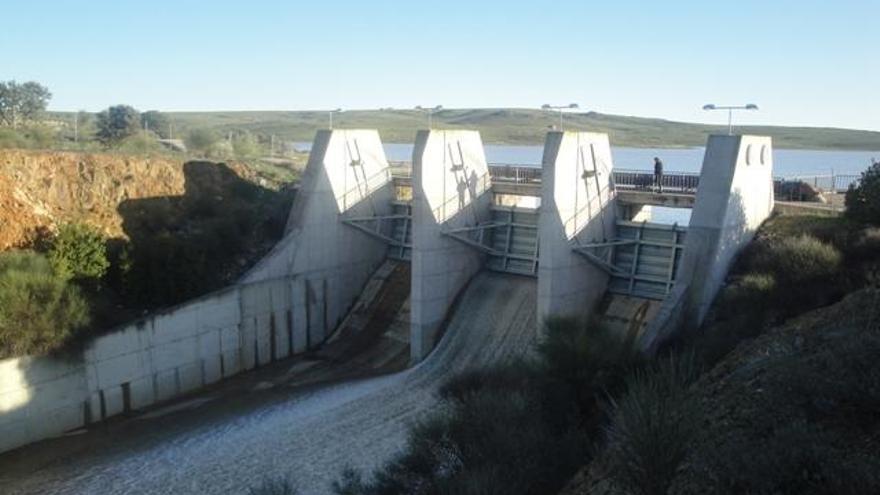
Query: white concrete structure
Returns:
{"type": "Point", "coordinates": [287, 304]}
{"type": "Point", "coordinates": [347, 176]}
{"type": "Point", "coordinates": [577, 207]}
{"type": "Point", "coordinates": [163, 356]}
{"type": "Point", "coordinates": [451, 193]}
{"type": "Point", "coordinates": [734, 197]}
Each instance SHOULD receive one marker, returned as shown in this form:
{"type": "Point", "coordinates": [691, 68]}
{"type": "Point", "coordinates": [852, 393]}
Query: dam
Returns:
{"type": "Point", "coordinates": [447, 263]}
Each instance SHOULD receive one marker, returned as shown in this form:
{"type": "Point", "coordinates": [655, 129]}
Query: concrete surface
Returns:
{"type": "Point", "coordinates": [735, 196]}
{"type": "Point", "coordinates": [289, 303]}
{"type": "Point", "coordinates": [229, 444]}
{"type": "Point", "coordinates": [577, 207]}
{"type": "Point", "coordinates": [451, 189]}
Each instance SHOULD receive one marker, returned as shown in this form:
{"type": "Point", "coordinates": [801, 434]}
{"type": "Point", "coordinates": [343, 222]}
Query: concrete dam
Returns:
{"type": "Point", "coordinates": [435, 266]}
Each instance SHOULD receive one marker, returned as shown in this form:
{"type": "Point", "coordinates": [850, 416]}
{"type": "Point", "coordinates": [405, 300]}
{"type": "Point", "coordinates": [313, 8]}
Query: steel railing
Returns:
{"type": "Point", "coordinates": [640, 180]}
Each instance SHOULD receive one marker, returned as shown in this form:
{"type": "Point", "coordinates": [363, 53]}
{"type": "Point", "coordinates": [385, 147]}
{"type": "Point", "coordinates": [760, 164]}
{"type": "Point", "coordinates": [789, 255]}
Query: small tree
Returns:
{"type": "Point", "coordinates": [201, 140]}
{"type": "Point", "coordinates": [78, 251]}
{"type": "Point", "coordinates": [156, 122]}
{"type": "Point", "coordinates": [20, 103]}
{"type": "Point", "coordinates": [117, 123]}
{"type": "Point", "coordinates": [245, 146]}
{"type": "Point", "coordinates": [863, 200]}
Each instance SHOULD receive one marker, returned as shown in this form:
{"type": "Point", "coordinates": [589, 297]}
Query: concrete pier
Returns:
{"type": "Point", "coordinates": [735, 196]}
{"type": "Point", "coordinates": [347, 176]}
{"type": "Point", "coordinates": [577, 207]}
{"type": "Point", "coordinates": [451, 193]}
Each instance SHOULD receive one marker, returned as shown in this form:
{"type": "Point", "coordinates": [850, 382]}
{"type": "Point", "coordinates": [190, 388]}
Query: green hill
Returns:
{"type": "Point", "coordinates": [517, 126]}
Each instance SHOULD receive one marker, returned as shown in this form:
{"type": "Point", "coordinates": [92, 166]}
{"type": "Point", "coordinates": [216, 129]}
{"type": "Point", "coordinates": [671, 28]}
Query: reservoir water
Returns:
{"type": "Point", "coordinates": [786, 162]}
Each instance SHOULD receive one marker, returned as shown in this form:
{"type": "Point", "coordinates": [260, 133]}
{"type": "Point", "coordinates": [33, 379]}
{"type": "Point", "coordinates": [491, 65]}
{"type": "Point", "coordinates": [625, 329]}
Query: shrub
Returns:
{"type": "Point", "coordinates": [201, 140]}
{"type": "Point", "coordinates": [652, 425]}
{"type": "Point", "coordinates": [863, 200]}
{"type": "Point", "coordinates": [751, 296]}
{"type": "Point", "coordinates": [274, 486]}
{"type": "Point", "coordinates": [78, 251]}
{"type": "Point", "coordinates": [39, 311]}
{"type": "Point", "coordinates": [795, 260]}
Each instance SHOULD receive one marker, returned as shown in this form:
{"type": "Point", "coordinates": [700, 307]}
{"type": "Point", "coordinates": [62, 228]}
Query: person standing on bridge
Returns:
{"type": "Point", "coordinates": [658, 174]}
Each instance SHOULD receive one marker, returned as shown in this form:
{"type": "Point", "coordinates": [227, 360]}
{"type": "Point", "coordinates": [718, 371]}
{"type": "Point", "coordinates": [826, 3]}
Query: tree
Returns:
{"type": "Point", "coordinates": [245, 146]}
{"type": "Point", "coordinates": [863, 200]}
{"type": "Point", "coordinates": [117, 123]}
{"type": "Point", "coordinates": [78, 252]}
{"type": "Point", "coordinates": [201, 140]}
{"type": "Point", "coordinates": [21, 103]}
{"type": "Point", "coordinates": [157, 122]}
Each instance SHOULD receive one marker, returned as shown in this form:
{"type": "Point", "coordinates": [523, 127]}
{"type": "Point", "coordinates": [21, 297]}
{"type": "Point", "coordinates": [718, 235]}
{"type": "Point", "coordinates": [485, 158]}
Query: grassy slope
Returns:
{"type": "Point", "coordinates": [519, 126]}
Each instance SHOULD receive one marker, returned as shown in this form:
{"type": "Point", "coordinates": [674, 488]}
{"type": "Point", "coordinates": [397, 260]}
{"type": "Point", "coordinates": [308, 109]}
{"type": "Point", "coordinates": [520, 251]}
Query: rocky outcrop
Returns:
{"type": "Point", "coordinates": [41, 189]}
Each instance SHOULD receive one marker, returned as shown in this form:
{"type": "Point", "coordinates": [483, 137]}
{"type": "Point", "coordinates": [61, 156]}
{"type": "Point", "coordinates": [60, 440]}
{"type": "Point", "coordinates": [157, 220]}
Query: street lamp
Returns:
{"type": "Point", "coordinates": [559, 108]}
{"type": "Point", "coordinates": [730, 109]}
{"type": "Point", "coordinates": [430, 112]}
{"type": "Point", "coordinates": [330, 114]}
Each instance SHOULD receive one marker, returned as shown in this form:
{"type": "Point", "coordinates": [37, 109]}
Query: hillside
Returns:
{"type": "Point", "coordinates": [792, 411]}
{"type": "Point", "coordinates": [517, 126]}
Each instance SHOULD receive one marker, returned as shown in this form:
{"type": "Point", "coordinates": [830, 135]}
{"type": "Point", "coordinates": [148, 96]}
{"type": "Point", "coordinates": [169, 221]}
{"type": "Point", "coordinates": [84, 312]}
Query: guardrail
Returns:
{"type": "Point", "coordinates": [821, 183]}
{"type": "Point", "coordinates": [640, 180]}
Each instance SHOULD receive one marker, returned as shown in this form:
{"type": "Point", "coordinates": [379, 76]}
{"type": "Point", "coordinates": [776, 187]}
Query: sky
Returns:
{"type": "Point", "coordinates": [803, 62]}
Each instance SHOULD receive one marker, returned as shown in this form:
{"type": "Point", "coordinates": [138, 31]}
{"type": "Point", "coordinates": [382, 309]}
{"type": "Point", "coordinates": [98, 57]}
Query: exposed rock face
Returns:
{"type": "Point", "coordinates": [42, 189]}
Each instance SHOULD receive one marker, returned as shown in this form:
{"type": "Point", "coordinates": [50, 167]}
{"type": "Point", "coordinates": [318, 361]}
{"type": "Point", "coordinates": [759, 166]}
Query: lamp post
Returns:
{"type": "Point", "coordinates": [559, 108]}
{"type": "Point", "coordinates": [430, 112]}
{"type": "Point", "coordinates": [730, 109]}
{"type": "Point", "coordinates": [330, 115]}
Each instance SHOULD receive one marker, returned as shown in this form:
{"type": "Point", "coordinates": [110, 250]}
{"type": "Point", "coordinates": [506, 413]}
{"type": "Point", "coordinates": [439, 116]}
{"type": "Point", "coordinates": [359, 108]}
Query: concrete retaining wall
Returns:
{"type": "Point", "coordinates": [451, 190]}
{"type": "Point", "coordinates": [577, 207]}
{"type": "Point", "coordinates": [288, 303]}
{"type": "Point", "coordinates": [735, 196]}
{"type": "Point", "coordinates": [155, 359]}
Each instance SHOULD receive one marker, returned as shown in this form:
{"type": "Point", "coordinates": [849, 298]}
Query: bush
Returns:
{"type": "Point", "coordinates": [748, 298]}
{"type": "Point", "coordinates": [78, 252]}
{"type": "Point", "coordinates": [201, 140]}
{"type": "Point", "coordinates": [652, 425]}
{"type": "Point", "coordinates": [796, 260]}
{"type": "Point", "coordinates": [276, 486]}
{"type": "Point", "coordinates": [11, 138]}
{"type": "Point", "coordinates": [863, 200]}
{"type": "Point", "coordinates": [39, 311]}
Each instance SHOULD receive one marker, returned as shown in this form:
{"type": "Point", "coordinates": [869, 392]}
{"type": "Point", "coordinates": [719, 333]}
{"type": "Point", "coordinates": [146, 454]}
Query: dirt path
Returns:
{"type": "Point", "coordinates": [309, 435]}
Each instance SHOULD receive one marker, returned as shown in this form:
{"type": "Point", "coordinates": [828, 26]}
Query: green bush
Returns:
{"type": "Point", "coordinates": [750, 296]}
{"type": "Point", "coordinates": [652, 425]}
{"type": "Point", "coordinates": [39, 311]}
{"type": "Point", "coordinates": [863, 200]}
{"type": "Point", "coordinates": [796, 260]}
{"type": "Point", "coordinates": [78, 252]}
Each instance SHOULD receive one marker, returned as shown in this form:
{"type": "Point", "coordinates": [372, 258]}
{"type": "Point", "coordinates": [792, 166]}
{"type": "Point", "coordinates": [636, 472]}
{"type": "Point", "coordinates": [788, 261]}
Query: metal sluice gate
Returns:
{"type": "Point", "coordinates": [642, 260]}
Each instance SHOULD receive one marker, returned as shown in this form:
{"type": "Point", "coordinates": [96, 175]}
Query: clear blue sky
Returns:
{"type": "Point", "coordinates": [804, 62]}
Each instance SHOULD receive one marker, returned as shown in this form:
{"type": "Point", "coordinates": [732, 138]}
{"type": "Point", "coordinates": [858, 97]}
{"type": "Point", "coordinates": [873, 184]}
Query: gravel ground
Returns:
{"type": "Point", "coordinates": [307, 436]}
